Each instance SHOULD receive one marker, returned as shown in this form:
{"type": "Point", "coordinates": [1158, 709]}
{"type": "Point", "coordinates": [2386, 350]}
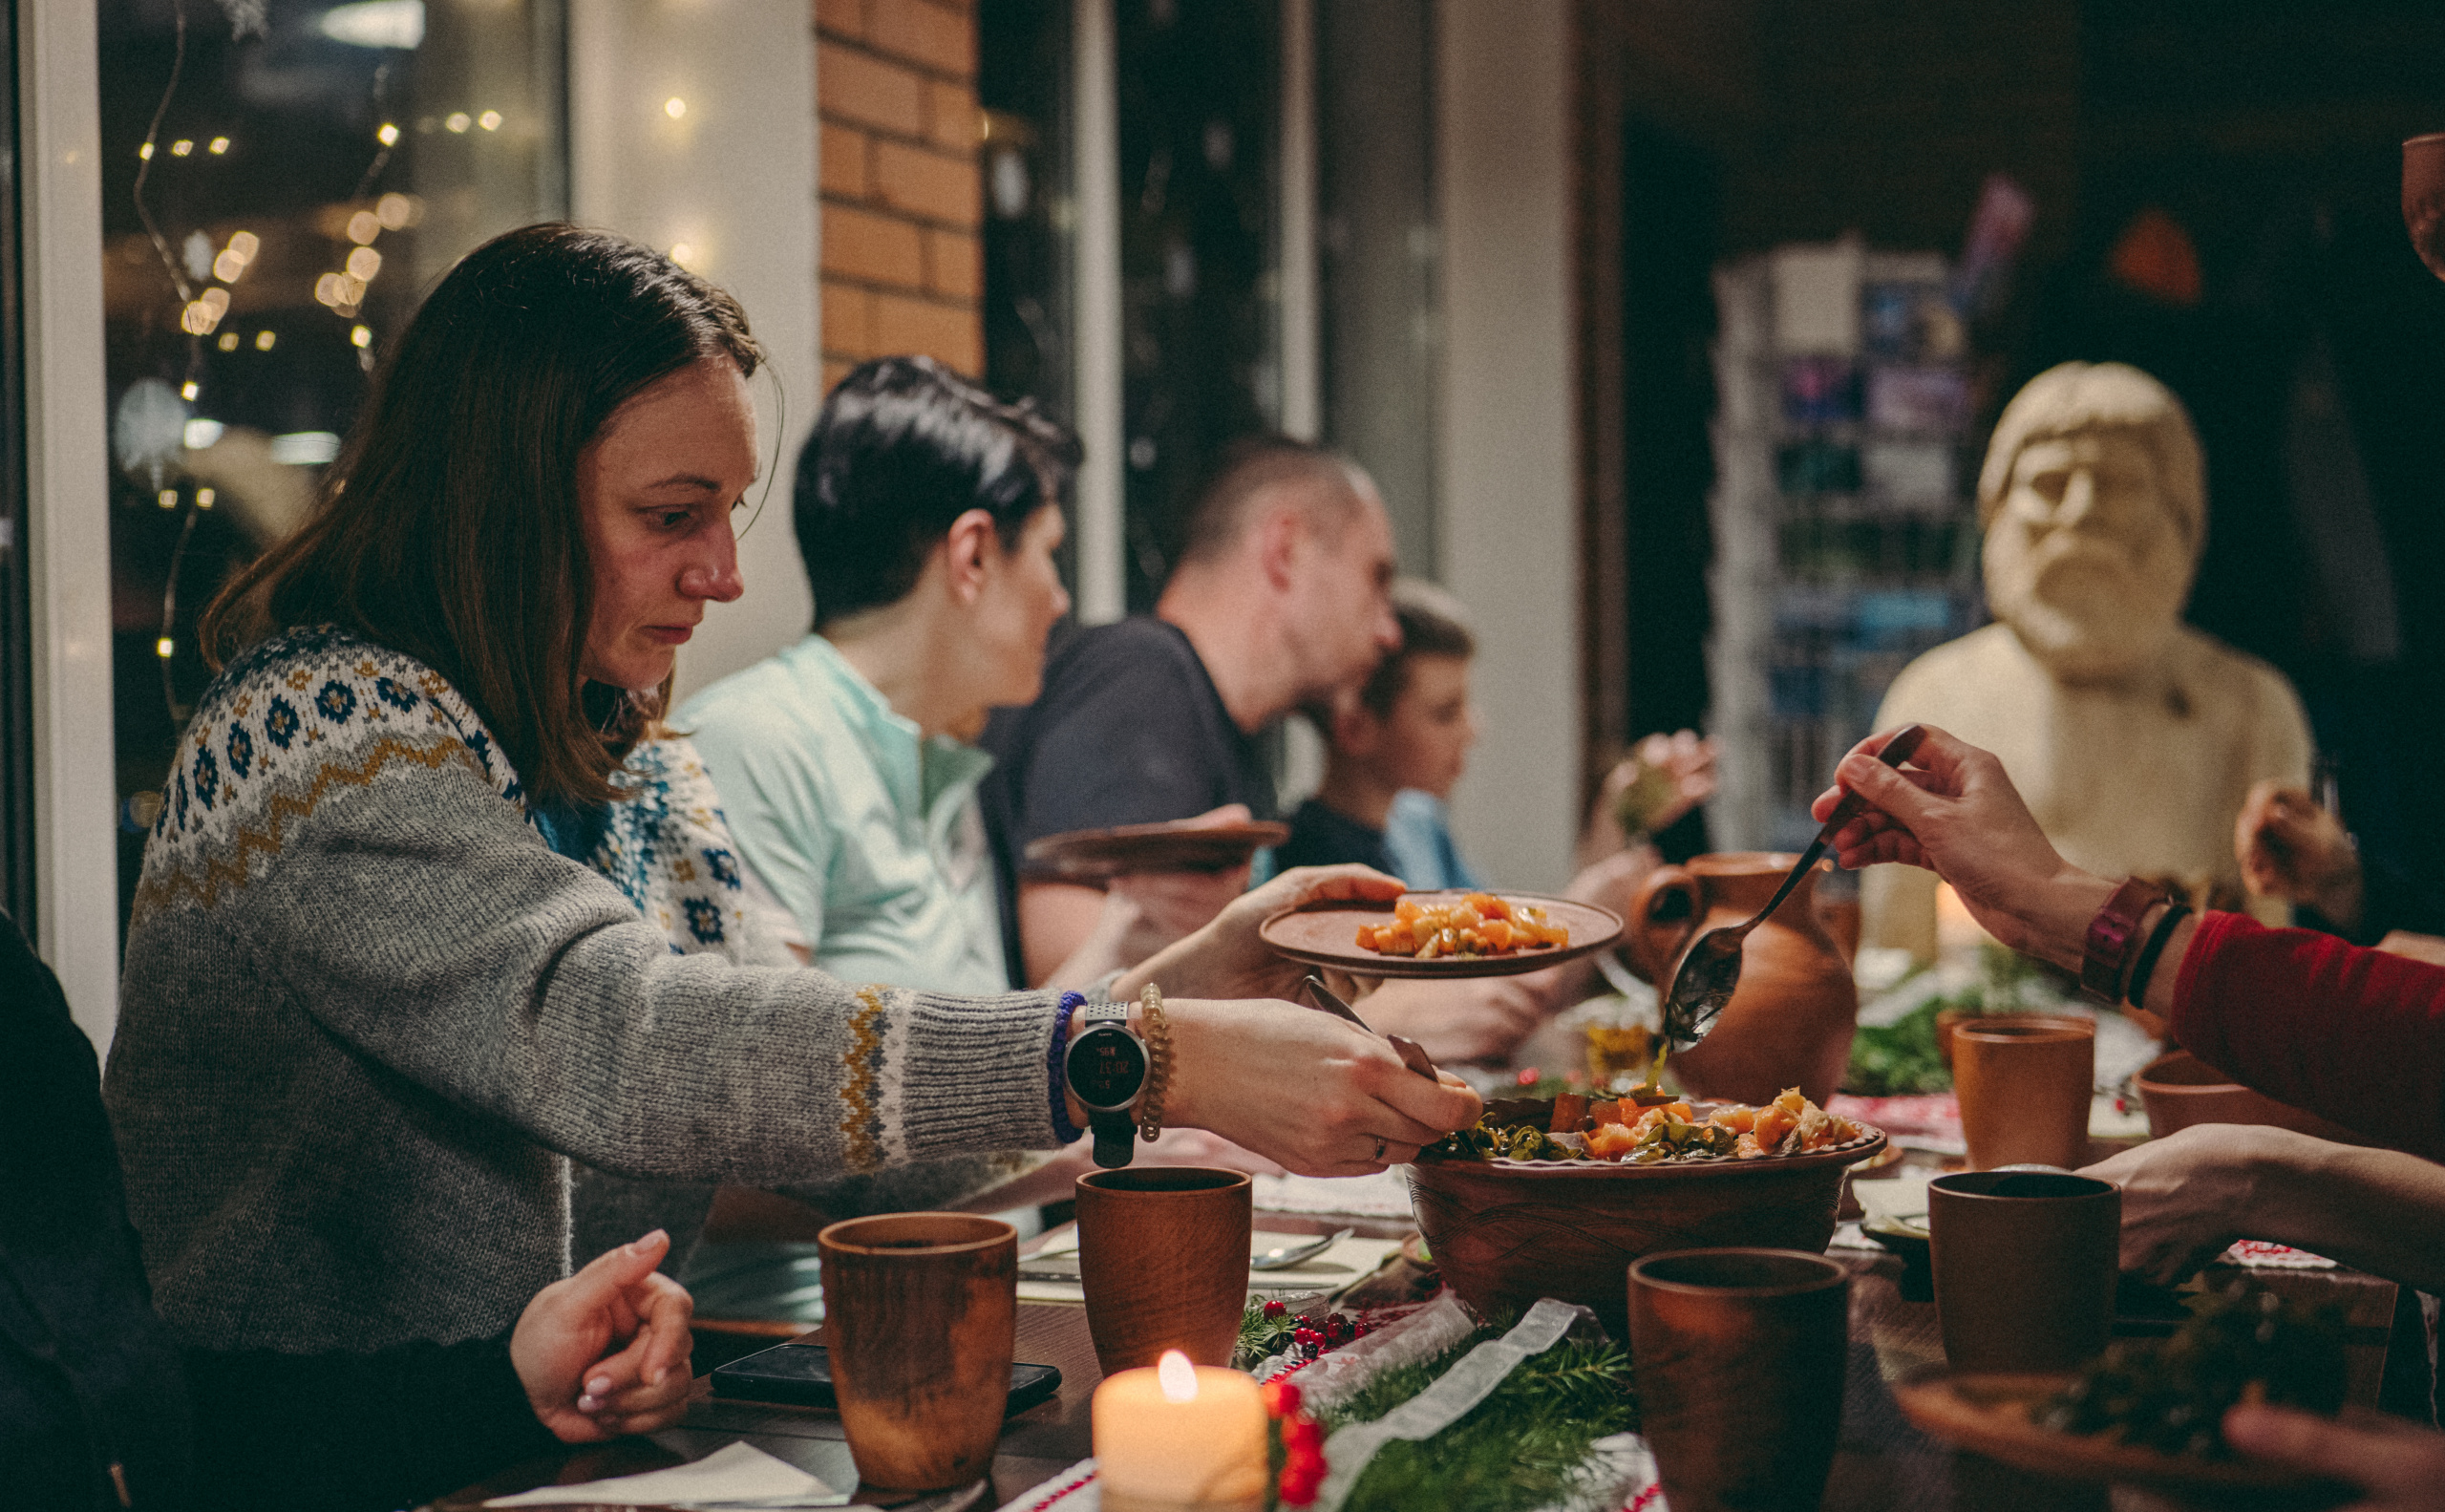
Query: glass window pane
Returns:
{"type": "Point", "coordinates": [1198, 84]}
{"type": "Point", "coordinates": [282, 181]}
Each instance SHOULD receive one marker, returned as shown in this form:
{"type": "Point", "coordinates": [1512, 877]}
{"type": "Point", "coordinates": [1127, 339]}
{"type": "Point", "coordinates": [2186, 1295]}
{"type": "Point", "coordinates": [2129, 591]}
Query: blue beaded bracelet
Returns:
{"type": "Point", "coordinates": [1057, 1082]}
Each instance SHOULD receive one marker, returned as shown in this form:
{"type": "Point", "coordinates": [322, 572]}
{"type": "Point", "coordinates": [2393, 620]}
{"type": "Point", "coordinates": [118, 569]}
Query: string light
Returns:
{"type": "Point", "coordinates": [228, 341]}
{"type": "Point", "coordinates": [187, 391]}
{"type": "Point", "coordinates": [220, 145]}
{"type": "Point", "coordinates": [165, 648]}
{"type": "Point", "coordinates": [490, 120]}
{"type": "Point", "coordinates": [145, 152]}
{"type": "Point", "coordinates": [204, 311]}
{"type": "Point", "coordinates": [682, 253]}
{"type": "Point", "coordinates": [674, 107]}
{"type": "Point", "coordinates": [232, 262]}
{"type": "Point", "coordinates": [263, 339]}
{"type": "Point", "coordinates": [457, 122]}
{"type": "Point", "coordinates": [181, 147]}
{"type": "Point", "coordinates": [167, 499]}
{"type": "Point", "coordinates": [363, 263]}
{"type": "Point", "coordinates": [395, 211]}
{"type": "Point", "coordinates": [359, 336]}
{"type": "Point", "coordinates": [363, 228]}
{"type": "Point", "coordinates": [387, 136]}
{"type": "Point", "coordinates": [203, 498]}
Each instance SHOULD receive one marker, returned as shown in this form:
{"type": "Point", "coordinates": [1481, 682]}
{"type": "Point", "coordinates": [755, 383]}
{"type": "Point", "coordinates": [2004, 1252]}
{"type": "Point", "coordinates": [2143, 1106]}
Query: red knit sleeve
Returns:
{"type": "Point", "coordinates": [2354, 1035]}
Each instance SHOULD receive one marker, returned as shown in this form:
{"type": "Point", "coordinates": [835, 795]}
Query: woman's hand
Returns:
{"type": "Point", "coordinates": [2397, 1465]}
{"type": "Point", "coordinates": [604, 1353]}
{"type": "Point", "coordinates": [2186, 1197]}
{"type": "Point", "coordinates": [1225, 959]}
{"type": "Point", "coordinates": [1953, 812]}
{"type": "Point", "coordinates": [2292, 849]}
{"type": "Point", "coordinates": [1321, 1096]}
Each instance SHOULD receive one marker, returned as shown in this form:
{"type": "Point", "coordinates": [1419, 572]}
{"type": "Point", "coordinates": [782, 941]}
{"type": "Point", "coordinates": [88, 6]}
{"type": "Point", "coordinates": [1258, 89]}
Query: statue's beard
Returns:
{"type": "Point", "coordinates": [2085, 610]}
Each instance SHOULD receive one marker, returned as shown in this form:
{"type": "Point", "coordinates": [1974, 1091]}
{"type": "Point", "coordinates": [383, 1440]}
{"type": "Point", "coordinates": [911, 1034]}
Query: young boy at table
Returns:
{"type": "Point", "coordinates": [1395, 746]}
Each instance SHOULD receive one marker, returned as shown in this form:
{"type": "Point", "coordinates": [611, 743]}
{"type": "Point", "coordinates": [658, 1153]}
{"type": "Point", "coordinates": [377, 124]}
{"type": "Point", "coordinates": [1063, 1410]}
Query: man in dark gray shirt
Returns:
{"type": "Point", "coordinates": [1280, 597]}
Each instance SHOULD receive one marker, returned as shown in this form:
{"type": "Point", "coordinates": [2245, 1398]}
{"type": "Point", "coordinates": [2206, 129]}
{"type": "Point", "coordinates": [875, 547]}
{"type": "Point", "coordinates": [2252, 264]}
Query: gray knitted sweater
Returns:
{"type": "Point", "coordinates": [368, 1016]}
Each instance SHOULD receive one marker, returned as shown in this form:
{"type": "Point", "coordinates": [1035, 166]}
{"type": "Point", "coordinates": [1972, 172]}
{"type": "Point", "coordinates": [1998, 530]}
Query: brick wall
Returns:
{"type": "Point", "coordinates": [896, 105]}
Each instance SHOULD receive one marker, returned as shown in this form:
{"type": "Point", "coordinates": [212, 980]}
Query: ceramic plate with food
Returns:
{"type": "Point", "coordinates": [1453, 933]}
{"type": "Point", "coordinates": [1996, 1415]}
{"type": "Point", "coordinates": [1123, 850]}
{"type": "Point", "coordinates": [2150, 1411]}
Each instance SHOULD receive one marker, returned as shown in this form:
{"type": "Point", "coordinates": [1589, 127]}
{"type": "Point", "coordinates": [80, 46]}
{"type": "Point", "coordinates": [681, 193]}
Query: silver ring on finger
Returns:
{"type": "Point", "coordinates": [1378, 1155]}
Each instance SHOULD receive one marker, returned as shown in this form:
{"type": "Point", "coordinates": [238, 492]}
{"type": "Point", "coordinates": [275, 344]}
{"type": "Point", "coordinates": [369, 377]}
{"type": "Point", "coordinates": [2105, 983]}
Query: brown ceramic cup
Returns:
{"type": "Point", "coordinates": [2424, 197]}
{"type": "Point", "coordinates": [2025, 1267]}
{"type": "Point", "coordinates": [1163, 1258]}
{"type": "Point", "coordinates": [2023, 1081]}
{"type": "Point", "coordinates": [1740, 1356]}
{"type": "Point", "coordinates": [920, 1310]}
{"type": "Point", "coordinates": [2179, 1090]}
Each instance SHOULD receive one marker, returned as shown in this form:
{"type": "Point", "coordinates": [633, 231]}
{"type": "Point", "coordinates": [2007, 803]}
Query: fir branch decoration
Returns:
{"type": "Point", "coordinates": [1523, 1447]}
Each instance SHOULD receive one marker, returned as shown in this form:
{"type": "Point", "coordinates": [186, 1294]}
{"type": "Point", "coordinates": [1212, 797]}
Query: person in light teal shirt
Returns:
{"type": "Point", "coordinates": [863, 825]}
{"type": "Point", "coordinates": [927, 514]}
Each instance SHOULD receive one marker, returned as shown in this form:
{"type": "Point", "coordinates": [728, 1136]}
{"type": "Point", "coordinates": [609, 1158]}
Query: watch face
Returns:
{"type": "Point", "coordinates": [1107, 1066]}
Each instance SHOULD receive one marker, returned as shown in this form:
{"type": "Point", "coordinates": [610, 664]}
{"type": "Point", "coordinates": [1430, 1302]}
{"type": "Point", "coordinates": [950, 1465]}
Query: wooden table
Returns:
{"type": "Point", "coordinates": [1882, 1462]}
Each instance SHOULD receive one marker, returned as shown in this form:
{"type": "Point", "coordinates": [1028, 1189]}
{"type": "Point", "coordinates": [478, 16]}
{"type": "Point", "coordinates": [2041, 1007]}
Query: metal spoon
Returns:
{"type": "Point", "coordinates": [1281, 1257]}
{"type": "Point", "coordinates": [1413, 1055]}
{"type": "Point", "coordinates": [1712, 968]}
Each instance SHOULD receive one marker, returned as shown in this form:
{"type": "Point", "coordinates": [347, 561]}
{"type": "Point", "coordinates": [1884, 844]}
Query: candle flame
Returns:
{"type": "Point", "coordinates": [1177, 1376]}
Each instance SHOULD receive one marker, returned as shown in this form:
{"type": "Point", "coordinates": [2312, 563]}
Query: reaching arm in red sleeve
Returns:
{"type": "Point", "coordinates": [2352, 1034]}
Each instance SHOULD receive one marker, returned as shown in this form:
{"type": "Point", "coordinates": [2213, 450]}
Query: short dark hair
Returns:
{"type": "Point", "coordinates": [904, 447]}
{"type": "Point", "coordinates": [1248, 468]}
{"type": "Point", "coordinates": [1433, 623]}
{"type": "Point", "coordinates": [449, 529]}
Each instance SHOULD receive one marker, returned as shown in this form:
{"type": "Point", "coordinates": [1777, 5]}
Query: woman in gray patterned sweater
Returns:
{"type": "Point", "coordinates": [373, 1006]}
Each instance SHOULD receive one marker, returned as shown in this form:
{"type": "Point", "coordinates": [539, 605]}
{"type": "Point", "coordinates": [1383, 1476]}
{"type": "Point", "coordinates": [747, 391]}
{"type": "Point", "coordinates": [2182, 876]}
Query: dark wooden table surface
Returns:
{"type": "Point", "coordinates": [1883, 1462]}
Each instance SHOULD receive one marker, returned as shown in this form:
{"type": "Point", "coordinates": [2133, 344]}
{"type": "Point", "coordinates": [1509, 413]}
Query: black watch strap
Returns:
{"type": "Point", "coordinates": [1116, 1136]}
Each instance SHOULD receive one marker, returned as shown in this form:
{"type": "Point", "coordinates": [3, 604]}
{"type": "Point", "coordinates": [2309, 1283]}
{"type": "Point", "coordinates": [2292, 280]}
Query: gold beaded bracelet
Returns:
{"type": "Point", "coordinates": [1158, 1064]}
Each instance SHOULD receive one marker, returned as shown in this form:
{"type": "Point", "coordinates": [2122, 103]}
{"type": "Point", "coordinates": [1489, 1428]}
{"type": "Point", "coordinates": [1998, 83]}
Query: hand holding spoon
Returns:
{"type": "Point", "coordinates": [1712, 968]}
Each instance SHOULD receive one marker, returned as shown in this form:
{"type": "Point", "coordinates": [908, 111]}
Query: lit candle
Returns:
{"type": "Point", "coordinates": [1179, 1436]}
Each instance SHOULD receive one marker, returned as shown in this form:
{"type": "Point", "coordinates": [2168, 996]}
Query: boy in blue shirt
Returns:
{"type": "Point", "coordinates": [1395, 747]}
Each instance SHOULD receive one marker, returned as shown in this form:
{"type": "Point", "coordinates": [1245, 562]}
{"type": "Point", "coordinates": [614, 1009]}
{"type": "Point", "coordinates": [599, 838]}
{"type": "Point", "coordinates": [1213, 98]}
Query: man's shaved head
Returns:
{"type": "Point", "coordinates": [1266, 469]}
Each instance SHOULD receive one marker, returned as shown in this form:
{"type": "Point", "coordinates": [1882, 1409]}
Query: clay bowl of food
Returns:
{"type": "Point", "coordinates": [1517, 1209]}
{"type": "Point", "coordinates": [2179, 1090]}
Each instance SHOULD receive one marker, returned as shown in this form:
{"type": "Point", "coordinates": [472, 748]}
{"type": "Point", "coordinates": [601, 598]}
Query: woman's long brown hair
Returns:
{"type": "Point", "coordinates": [449, 527]}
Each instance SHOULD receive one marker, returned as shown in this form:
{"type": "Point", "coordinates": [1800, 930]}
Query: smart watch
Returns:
{"type": "Point", "coordinates": [1106, 1067]}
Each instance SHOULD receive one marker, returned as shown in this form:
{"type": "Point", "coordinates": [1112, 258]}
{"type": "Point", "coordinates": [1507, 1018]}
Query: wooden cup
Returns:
{"type": "Point", "coordinates": [1163, 1257]}
{"type": "Point", "coordinates": [920, 1310]}
{"type": "Point", "coordinates": [2025, 1081]}
{"type": "Point", "coordinates": [2025, 1267]}
{"type": "Point", "coordinates": [2424, 197]}
{"type": "Point", "coordinates": [1741, 1355]}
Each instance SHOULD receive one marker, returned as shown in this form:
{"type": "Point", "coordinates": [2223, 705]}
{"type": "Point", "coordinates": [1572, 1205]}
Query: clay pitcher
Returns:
{"type": "Point", "coordinates": [1790, 1023]}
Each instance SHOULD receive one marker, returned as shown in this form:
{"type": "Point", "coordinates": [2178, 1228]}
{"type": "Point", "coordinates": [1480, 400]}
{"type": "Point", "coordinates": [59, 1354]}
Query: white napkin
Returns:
{"type": "Point", "coordinates": [739, 1473]}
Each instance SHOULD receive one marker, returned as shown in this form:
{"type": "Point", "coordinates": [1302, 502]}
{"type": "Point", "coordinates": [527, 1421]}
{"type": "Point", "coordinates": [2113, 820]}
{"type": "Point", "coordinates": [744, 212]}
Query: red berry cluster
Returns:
{"type": "Point", "coordinates": [1303, 1444]}
{"type": "Point", "coordinates": [1311, 1338]}
{"type": "Point", "coordinates": [1275, 1309]}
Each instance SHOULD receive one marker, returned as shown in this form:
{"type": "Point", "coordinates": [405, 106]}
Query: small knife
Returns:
{"type": "Point", "coordinates": [1412, 1054]}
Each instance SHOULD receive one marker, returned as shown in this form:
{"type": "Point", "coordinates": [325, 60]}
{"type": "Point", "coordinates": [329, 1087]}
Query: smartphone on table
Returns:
{"type": "Point", "coordinates": [800, 1375]}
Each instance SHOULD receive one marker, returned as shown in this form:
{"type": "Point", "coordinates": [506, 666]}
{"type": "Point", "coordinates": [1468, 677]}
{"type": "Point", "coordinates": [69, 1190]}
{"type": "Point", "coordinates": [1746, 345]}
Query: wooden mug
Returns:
{"type": "Point", "coordinates": [2424, 197]}
{"type": "Point", "coordinates": [2025, 1081]}
{"type": "Point", "coordinates": [1741, 1357]}
{"type": "Point", "coordinates": [1163, 1258]}
{"type": "Point", "coordinates": [920, 1310]}
{"type": "Point", "coordinates": [2025, 1265]}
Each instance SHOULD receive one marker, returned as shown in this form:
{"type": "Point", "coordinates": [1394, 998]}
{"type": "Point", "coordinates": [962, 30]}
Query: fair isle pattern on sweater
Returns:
{"type": "Point", "coordinates": [296, 716]}
{"type": "Point", "coordinates": [668, 849]}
